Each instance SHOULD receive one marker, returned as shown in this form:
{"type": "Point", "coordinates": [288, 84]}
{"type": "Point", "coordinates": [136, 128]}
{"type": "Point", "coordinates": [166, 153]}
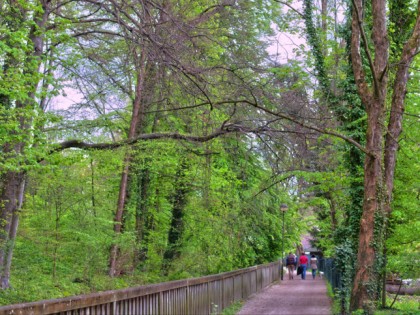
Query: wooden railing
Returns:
{"type": "Point", "coordinates": [205, 295]}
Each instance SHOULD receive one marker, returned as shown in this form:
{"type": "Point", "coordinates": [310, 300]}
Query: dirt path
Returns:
{"type": "Point", "coordinates": [294, 297]}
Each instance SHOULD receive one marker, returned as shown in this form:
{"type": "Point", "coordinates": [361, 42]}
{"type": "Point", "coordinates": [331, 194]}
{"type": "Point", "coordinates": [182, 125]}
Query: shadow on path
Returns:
{"type": "Point", "coordinates": [294, 297]}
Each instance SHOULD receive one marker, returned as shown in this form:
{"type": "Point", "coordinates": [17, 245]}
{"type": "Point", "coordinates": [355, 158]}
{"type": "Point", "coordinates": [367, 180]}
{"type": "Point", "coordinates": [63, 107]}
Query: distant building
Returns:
{"type": "Point", "coordinates": [308, 247]}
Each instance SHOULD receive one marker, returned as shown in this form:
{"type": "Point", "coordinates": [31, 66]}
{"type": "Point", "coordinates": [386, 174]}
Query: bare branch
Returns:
{"type": "Point", "coordinates": [365, 44]}
{"type": "Point", "coordinates": [228, 128]}
{"type": "Point", "coordinates": [359, 74]}
{"type": "Point", "coordinates": [273, 184]}
{"type": "Point", "coordinates": [320, 130]}
{"type": "Point", "coordinates": [290, 7]}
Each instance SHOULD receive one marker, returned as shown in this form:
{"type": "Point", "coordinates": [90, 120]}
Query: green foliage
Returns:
{"type": "Point", "coordinates": [402, 19]}
{"type": "Point", "coordinates": [335, 308]}
{"type": "Point", "coordinates": [233, 308]}
{"type": "Point", "coordinates": [315, 42]}
{"type": "Point", "coordinates": [404, 226]}
{"type": "Point", "coordinates": [404, 304]}
{"type": "Point", "coordinates": [229, 190]}
{"type": "Point", "coordinates": [64, 237]}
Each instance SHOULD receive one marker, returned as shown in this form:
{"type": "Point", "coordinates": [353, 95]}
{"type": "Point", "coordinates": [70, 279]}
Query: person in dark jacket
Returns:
{"type": "Point", "coordinates": [290, 264]}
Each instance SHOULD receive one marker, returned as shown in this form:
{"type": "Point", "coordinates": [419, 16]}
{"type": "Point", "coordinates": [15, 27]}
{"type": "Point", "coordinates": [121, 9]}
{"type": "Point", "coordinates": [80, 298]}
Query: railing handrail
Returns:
{"type": "Point", "coordinates": [110, 296]}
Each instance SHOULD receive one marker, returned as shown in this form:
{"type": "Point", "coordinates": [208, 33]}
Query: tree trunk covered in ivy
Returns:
{"type": "Point", "coordinates": [178, 203]}
{"type": "Point", "coordinates": [380, 162]}
{"type": "Point", "coordinates": [135, 127]}
{"type": "Point", "coordinates": [27, 65]}
{"type": "Point", "coordinates": [144, 217]}
{"type": "Point", "coordinates": [380, 158]}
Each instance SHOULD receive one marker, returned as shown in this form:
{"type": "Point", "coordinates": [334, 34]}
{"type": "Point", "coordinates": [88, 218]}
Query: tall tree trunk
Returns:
{"type": "Point", "coordinates": [144, 95]}
{"type": "Point", "coordinates": [118, 216]}
{"type": "Point", "coordinates": [365, 273]}
{"type": "Point", "coordinates": [5, 277]}
{"type": "Point", "coordinates": [12, 198]}
{"type": "Point", "coordinates": [144, 218]}
{"type": "Point", "coordinates": [380, 163]}
{"type": "Point", "coordinates": [13, 182]}
{"type": "Point", "coordinates": [364, 293]}
{"type": "Point", "coordinates": [136, 121]}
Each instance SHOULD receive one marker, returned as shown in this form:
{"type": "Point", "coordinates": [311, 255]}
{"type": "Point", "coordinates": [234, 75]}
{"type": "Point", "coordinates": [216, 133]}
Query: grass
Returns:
{"type": "Point", "coordinates": [404, 305]}
{"type": "Point", "coordinates": [233, 308]}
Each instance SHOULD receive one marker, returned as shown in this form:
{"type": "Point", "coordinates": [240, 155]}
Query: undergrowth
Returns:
{"type": "Point", "coordinates": [233, 308]}
{"type": "Point", "coordinates": [404, 305]}
{"type": "Point", "coordinates": [41, 287]}
{"type": "Point", "coordinates": [335, 301]}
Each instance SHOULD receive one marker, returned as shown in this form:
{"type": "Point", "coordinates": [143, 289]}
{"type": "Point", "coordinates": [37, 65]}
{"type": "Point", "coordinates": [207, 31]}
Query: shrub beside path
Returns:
{"type": "Point", "coordinates": [294, 297]}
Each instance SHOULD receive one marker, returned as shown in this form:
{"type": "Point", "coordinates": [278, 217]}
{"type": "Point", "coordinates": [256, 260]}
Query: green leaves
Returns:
{"type": "Point", "coordinates": [403, 244]}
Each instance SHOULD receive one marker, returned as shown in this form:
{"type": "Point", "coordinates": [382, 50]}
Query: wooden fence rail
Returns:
{"type": "Point", "coordinates": [205, 295]}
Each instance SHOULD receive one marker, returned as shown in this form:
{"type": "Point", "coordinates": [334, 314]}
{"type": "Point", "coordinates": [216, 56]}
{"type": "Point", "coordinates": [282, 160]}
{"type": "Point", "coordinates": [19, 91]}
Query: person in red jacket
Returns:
{"type": "Point", "coordinates": [303, 262]}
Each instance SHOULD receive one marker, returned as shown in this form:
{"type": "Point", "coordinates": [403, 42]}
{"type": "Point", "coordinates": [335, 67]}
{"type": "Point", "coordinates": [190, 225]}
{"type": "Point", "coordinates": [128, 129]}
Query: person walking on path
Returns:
{"type": "Point", "coordinates": [314, 267]}
{"type": "Point", "coordinates": [303, 262]}
{"type": "Point", "coordinates": [290, 264]}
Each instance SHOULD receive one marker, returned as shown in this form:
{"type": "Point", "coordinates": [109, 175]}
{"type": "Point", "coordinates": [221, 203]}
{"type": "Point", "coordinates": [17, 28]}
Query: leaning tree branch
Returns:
{"type": "Point", "coordinates": [291, 8]}
{"type": "Point", "coordinates": [320, 130]}
{"type": "Point", "coordinates": [228, 128]}
{"type": "Point", "coordinates": [273, 184]}
{"type": "Point", "coordinates": [224, 129]}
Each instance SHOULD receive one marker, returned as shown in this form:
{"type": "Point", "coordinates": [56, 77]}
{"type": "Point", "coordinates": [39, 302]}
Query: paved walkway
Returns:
{"type": "Point", "coordinates": [294, 297]}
